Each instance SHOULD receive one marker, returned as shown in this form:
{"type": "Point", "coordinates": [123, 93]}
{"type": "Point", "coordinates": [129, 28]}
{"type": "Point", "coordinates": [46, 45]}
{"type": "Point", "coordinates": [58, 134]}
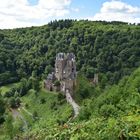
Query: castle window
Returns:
{"type": "Point", "coordinates": [72, 69]}
{"type": "Point", "coordinates": [72, 64]}
{"type": "Point", "coordinates": [56, 70]}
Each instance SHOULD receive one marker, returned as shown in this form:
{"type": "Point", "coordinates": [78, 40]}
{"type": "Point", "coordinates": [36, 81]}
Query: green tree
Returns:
{"type": "Point", "coordinates": [2, 109]}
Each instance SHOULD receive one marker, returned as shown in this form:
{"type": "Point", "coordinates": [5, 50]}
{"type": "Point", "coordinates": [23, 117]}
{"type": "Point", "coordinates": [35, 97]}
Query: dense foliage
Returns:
{"type": "Point", "coordinates": [113, 114]}
{"type": "Point", "coordinates": [110, 110]}
{"type": "Point", "coordinates": [108, 48]}
{"type": "Point", "coordinates": [2, 109]}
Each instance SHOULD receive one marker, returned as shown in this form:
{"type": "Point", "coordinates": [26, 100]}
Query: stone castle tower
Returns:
{"type": "Point", "coordinates": [65, 73]}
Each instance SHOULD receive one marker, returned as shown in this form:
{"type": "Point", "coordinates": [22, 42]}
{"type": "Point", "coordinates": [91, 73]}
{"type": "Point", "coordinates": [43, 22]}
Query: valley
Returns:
{"type": "Point", "coordinates": [70, 80]}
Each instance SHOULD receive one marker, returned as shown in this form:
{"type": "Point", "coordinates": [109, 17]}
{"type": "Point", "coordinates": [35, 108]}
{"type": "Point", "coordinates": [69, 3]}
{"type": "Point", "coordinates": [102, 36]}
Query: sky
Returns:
{"type": "Point", "coordinates": [26, 13]}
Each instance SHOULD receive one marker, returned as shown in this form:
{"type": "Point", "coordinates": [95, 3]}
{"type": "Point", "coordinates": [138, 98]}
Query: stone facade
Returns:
{"type": "Point", "coordinates": [65, 72]}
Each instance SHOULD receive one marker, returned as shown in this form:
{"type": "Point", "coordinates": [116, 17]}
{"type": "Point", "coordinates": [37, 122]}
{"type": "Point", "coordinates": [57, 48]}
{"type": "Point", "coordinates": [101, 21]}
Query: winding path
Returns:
{"type": "Point", "coordinates": [16, 114]}
{"type": "Point", "coordinates": [71, 101]}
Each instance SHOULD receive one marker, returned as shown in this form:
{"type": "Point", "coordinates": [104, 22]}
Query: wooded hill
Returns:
{"type": "Point", "coordinates": [111, 49]}
{"type": "Point", "coordinates": [109, 110]}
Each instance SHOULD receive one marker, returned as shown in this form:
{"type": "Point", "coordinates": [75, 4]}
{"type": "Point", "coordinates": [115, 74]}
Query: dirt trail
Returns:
{"type": "Point", "coordinates": [75, 106]}
{"type": "Point", "coordinates": [16, 114]}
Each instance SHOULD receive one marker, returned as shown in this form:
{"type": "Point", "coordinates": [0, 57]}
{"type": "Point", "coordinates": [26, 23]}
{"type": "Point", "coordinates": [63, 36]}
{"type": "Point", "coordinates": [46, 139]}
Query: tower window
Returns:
{"type": "Point", "coordinates": [72, 69]}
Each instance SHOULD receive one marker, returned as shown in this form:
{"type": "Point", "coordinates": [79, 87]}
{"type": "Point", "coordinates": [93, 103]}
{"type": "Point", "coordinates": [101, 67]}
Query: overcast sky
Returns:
{"type": "Point", "coordinates": [23, 13]}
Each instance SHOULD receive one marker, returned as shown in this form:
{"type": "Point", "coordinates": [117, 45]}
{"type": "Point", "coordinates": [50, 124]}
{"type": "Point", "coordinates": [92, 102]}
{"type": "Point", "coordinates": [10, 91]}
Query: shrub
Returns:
{"type": "Point", "coordinates": [84, 93]}
{"type": "Point", "coordinates": [60, 97]}
{"type": "Point", "coordinates": [84, 113]}
{"type": "Point", "coordinates": [27, 105]}
{"type": "Point", "coordinates": [42, 100]}
{"type": "Point", "coordinates": [12, 102]}
{"type": "Point", "coordinates": [108, 110]}
{"type": "Point", "coordinates": [35, 115]}
{"type": "Point", "coordinates": [2, 119]}
{"type": "Point", "coordinates": [56, 83]}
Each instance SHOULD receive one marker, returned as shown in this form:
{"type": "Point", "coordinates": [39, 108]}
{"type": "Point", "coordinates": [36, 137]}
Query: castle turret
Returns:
{"type": "Point", "coordinates": [65, 70]}
{"type": "Point", "coordinates": [59, 64]}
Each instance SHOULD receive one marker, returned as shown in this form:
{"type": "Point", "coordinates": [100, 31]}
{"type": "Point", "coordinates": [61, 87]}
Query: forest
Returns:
{"type": "Point", "coordinates": [111, 49]}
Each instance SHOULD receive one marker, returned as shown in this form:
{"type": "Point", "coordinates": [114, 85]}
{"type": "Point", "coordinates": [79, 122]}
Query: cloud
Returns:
{"type": "Point", "coordinates": [118, 11]}
{"type": "Point", "coordinates": [19, 13]}
{"type": "Point", "coordinates": [55, 4]}
{"type": "Point", "coordinates": [75, 9]}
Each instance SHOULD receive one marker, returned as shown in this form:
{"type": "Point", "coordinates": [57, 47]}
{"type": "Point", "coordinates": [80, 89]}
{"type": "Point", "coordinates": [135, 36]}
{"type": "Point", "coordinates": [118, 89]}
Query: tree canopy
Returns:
{"type": "Point", "coordinates": [111, 48]}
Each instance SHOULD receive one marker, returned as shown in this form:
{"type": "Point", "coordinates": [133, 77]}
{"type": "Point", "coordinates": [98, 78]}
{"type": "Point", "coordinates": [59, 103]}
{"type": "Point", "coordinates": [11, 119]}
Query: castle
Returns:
{"type": "Point", "coordinates": [64, 77]}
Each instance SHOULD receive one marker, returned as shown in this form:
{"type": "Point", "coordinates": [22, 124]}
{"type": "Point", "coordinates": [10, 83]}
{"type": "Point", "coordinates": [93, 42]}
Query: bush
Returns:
{"type": "Point", "coordinates": [108, 110]}
{"type": "Point", "coordinates": [27, 105]}
{"type": "Point", "coordinates": [42, 101]}
{"type": "Point", "coordinates": [53, 105]}
{"type": "Point", "coordinates": [60, 97]}
{"type": "Point", "coordinates": [8, 94]}
{"type": "Point", "coordinates": [14, 102]}
{"type": "Point", "coordinates": [2, 119]}
{"type": "Point", "coordinates": [35, 115]}
{"type": "Point", "coordinates": [56, 83]}
{"type": "Point", "coordinates": [61, 122]}
{"type": "Point", "coordinates": [90, 72]}
{"type": "Point", "coordinates": [84, 93]}
{"type": "Point", "coordinates": [84, 113]}
{"type": "Point", "coordinates": [18, 102]}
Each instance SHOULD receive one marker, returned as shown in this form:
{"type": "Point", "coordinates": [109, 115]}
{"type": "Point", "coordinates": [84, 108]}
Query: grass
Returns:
{"type": "Point", "coordinates": [7, 88]}
{"type": "Point", "coordinates": [48, 112]}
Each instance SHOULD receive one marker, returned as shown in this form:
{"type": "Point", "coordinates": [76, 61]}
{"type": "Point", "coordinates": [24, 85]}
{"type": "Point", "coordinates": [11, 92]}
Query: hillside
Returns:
{"type": "Point", "coordinates": [109, 110]}
{"type": "Point", "coordinates": [114, 114]}
{"type": "Point", "coordinates": [36, 111]}
{"type": "Point", "coordinates": [108, 48]}
{"type": "Point", "coordinates": [109, 114]}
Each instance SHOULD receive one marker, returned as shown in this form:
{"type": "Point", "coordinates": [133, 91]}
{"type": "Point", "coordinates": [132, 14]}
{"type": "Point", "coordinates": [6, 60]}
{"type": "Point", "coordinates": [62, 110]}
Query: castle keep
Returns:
{"type": "Point", "coordinates": [64, 74]}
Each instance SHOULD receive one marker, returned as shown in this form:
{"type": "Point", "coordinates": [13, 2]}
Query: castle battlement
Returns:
{"type": "Point", "coordinates": [64, 56]}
